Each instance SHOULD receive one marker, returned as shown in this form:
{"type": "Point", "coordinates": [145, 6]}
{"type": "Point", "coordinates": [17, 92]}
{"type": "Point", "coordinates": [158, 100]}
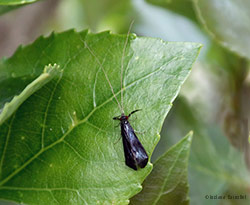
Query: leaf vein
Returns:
{"type": "Point", "coordinates": [6, 144]}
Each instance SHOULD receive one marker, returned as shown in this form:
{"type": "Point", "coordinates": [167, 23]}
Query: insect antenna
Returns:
{"type": "Point", "coordinates": [106, 76]}
{"type": "Point", "coordinates": [122, 63]}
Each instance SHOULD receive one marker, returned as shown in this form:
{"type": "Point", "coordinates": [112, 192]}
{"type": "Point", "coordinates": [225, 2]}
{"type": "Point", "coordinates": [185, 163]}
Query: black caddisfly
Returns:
{"type": "Point", "coordinates": [135, 154]}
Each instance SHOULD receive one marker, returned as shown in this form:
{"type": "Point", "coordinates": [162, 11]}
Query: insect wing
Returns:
{"type": "Point", "coordinates": [135, 154]}
{"type": "Point", "coordinates": [129, 156]}
{"type": "Point", "coordinates": [140, 153]}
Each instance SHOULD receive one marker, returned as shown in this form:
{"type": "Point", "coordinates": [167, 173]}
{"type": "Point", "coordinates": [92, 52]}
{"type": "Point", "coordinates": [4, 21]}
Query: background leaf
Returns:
{"type": "Point", "coordinates": [10, 107]}
{"type": "Point", "coordinates": [167, 183]}
{"type": "Point", "coordinates": [16, 2]}
{"type": "Point", "coordinates": [215, 167]}
{"type": "Point", "coordinates": [182, 7]}
{"type": "Point", "coordinates": [8, 5]}
{"type": "Point", "coordinates": [59, 147]}
{"type": "Point", "coordinates": [228, 22]}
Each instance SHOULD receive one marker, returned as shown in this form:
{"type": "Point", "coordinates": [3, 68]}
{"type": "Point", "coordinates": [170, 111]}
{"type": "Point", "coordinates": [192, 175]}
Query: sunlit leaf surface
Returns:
{"type": "Point", "coordinates": [228, 22]}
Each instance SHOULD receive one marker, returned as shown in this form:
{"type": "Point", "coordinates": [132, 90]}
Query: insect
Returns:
{"type": "Point", "coordinates": [135, 154]}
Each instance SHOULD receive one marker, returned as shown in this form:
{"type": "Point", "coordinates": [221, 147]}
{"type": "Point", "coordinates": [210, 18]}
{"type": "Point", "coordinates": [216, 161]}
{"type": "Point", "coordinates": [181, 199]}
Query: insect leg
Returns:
{"type": "Point", "coordinates": [117, 140]}
{"type": "Point", "coordinates": [116, 118]}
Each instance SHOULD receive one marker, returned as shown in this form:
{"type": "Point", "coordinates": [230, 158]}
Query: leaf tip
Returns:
{"type": "Point", "coordinates": [189, 136]}
{"type": "Point", "coordinates": [200, 46]}
{"type": "Point", "coordinates": [191, 132]}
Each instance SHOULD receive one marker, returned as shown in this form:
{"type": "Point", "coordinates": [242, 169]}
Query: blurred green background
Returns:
{"type": "Point", "coordinates": [214, 101]}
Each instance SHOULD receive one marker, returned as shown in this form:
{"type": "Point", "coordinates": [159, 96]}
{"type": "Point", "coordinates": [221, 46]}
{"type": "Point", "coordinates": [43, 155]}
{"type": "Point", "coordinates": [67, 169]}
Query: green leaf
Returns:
{"type": "Point", "coordinates": [9, 5]}
{"type": "Point", "coordinates": [10, 107]}
{"type": "Point", "coordinates": [228, 22]}
{"type": "Point", "coordinates": [16, 2]}
{"type": "Point", "coordinates": [167, 183]}
{"type": "Point", "coordinates": [59, 146]}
